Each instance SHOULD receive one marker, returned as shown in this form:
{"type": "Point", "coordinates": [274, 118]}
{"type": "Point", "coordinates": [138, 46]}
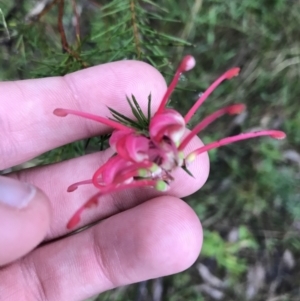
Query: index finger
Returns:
{"type": "Point", "coordinates": [28, 126]}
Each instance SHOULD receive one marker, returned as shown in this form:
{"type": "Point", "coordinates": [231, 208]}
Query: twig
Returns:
{"type": "Point", "coordinates": [135, 29]}
{"type": "Point", "coordinates": [64, 42]}
{"type": "Point", "coordinates": [77, 26]}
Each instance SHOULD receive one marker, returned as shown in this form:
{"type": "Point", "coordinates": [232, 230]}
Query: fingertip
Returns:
{"type": "Point", "coordinates": [176, 235]}
{"type": "Point", "coordinates": [23, 229]}
{"type": "Point", "coordinates": [160, 237]}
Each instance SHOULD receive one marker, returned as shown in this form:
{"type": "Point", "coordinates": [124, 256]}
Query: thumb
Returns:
{"type": "Point", "coordinates": [24, 218]}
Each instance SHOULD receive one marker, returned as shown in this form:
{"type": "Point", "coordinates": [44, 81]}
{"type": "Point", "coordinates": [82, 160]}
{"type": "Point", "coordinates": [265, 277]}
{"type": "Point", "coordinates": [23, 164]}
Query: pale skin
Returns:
{"type": "Point", "coordinates": [142, 235]}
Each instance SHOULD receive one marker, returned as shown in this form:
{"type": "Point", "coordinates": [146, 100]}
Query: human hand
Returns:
{"type": "Point", "coordinates": [143, 235]}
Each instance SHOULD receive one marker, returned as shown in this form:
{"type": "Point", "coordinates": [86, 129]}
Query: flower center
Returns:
{"type": "Point", "coordinates": [164, 153]}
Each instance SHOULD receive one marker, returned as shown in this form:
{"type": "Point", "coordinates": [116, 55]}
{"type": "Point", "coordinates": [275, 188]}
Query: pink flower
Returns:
{"type": "Point", "coordinates": [149, 149]}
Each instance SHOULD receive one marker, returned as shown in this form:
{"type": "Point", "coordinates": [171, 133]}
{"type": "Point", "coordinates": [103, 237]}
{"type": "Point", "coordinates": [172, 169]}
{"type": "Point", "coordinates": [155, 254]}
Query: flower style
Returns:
{"type": "Point", "coordinates": [148, 149]}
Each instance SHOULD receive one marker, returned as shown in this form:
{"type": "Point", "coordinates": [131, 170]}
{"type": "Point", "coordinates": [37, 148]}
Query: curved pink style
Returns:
{"type": "Point", "coordinates": [149, 149]}
{"type": "Point", "coordinates": [231, 110]}
{"type": "Point", "coordinates": [112, 188]}
{"type": "Point", "coordinates": [227, 75]}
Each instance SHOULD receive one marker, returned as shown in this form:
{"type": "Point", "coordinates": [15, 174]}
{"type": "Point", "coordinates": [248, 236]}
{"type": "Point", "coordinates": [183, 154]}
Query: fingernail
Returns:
{"type": "Point", "coordinates": [15, 193]}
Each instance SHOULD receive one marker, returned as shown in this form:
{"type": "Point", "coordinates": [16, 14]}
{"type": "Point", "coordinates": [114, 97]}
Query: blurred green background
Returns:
{"type": "Point", "coordinates": [250, 206]}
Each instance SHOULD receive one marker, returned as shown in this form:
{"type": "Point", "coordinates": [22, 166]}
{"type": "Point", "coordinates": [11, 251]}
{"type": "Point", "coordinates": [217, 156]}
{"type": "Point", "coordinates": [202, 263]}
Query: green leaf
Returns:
{"type": "Point", "coordinates": [143, 117]}
{"type": "Point", "coordinates": [187, 171]}
{"type": "Point", "coordinates": [123, 119]}
{"type": "Point", "coordinates": [134, 111]}
{"type": "Point", "coordinates": [149, 108]}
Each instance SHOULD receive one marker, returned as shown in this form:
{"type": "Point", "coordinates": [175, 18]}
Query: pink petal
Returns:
{"type": "Point", "coordinates": [169, 123]}
{"type": "Point", "coordinates": [137, 147]}
{"type": "Point", "coordinates": [112, 168]}
{"type": "Point", "coordinates": [115, 137]}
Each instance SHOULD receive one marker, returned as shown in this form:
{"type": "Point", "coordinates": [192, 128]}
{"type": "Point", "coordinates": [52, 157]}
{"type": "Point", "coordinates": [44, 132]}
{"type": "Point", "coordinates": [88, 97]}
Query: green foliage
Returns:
{"type": "Point", "coordinates": [134, 36]}
{"type": "Point", "coordinates": [141, 122]}
{"type": "Point", "coordinates": [227, 253]}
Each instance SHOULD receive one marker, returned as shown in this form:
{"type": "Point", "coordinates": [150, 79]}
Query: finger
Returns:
{"type": "Point", "coordinates": [28, 126]}
{"type": "Point", "coordinates": [24, 216]}
{"type": "Point", "coordinates": [54, 180]}
{"type": "Point", "coordinates": [160, 237]}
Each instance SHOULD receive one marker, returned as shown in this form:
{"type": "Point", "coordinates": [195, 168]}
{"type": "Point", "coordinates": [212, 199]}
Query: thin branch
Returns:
{"type": "Point", "coordinates": [135, 29]}
{"type": "Point", "coordinates": [63, 37]}
{"type": "Point", "coordinates": [64, 42]}
{"type": "Point", "coordinates": [77, 20]}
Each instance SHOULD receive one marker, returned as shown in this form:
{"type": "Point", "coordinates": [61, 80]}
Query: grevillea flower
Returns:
{"type": "Point", "coordinates": [148, 149]}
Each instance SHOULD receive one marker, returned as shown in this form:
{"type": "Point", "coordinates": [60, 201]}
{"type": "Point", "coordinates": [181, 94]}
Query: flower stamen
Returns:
{"type": "Point", "coordinates": [74, 186]}
{"type": "Point", "coordinates": [227, 75]}
{"type": "Point", "coordinates": [111, 188]}
{"type": "Point", "coordinates": [272, 133]}
{"type": "Point", "coordinates": [186, 64]}
{"type": "Point", "coordinates": [116, 125]}
{"type": "Point", "coordinates": [231, 110]}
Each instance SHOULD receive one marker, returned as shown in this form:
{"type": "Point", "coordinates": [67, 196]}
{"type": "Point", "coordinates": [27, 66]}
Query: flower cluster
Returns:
{"type": "Point", "coordinates": [148, 149]}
